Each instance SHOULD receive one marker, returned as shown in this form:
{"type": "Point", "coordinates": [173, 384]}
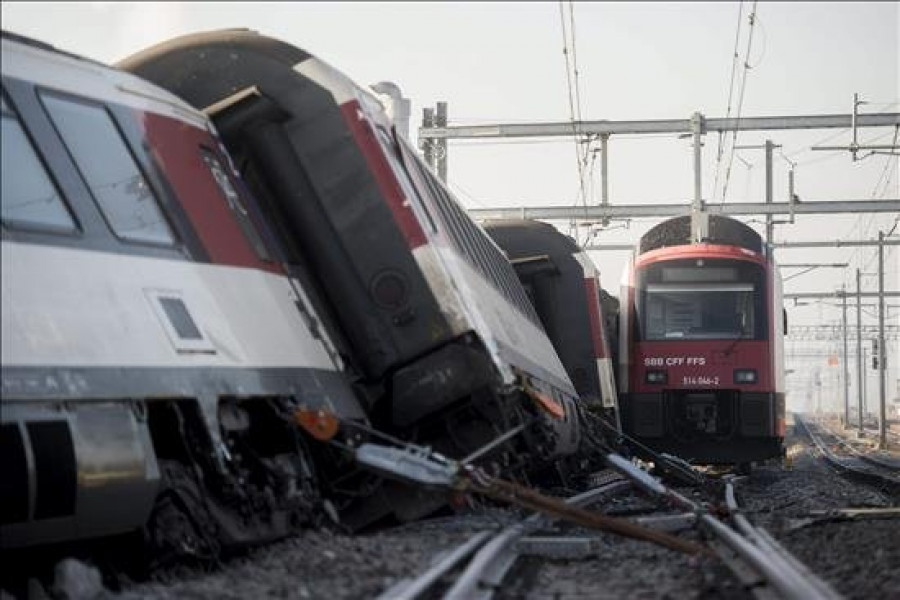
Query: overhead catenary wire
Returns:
{"type": "Point", "coordinates": [740, 104]}
{"type": "Point", "coordinates": [734, 63]}
{"type": "Point", "coordinates": [885, 178]}
{"type": "Point", "coordinates": [573, 93]}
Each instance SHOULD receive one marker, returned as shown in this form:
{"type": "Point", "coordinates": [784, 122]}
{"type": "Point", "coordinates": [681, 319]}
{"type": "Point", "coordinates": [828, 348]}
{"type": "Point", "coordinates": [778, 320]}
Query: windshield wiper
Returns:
{"type": "Point", "coordinates": [740, 335]}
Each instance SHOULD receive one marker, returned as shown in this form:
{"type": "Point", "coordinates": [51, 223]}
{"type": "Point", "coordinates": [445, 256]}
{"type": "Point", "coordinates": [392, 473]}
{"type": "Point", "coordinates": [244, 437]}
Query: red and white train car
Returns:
{"type": "Point", "coordinates": [563, 284]}
{"type": "Point", "coordinates": [154, 345]}
{"type": "Point", "coordinates": [702, 344]}
{"type": "Point", "coordinates": [426, 308]}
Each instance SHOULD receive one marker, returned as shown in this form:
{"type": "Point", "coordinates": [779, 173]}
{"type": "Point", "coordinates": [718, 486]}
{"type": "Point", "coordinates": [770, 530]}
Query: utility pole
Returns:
{"type": "Point", "coordinates": [440, 151]}
{"type": "Point", "coordinates": [859, 353]}
{"type": "Point", "coordinates": [427, 145]}
{"type": "Point", "coordinates": [699, 217]}
{"type": "Point", "coordinates": [604, 173]}
{"type": "Point", "coordinates": [844, 358]}
{"type": "Point", "coordinates": [854, 145]}
{"type": "Point", "coordinates": [882, 354]}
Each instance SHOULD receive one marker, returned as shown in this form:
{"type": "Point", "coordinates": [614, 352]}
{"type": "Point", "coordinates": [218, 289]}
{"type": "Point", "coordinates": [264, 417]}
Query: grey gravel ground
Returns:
{"type": "Point", "coordinates": [325, 565]}
{"type": "Point", "coordinates": [861, 559]}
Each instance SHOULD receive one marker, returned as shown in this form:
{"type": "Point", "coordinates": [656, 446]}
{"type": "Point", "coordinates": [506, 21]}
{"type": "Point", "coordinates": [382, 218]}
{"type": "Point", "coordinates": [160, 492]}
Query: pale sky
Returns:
{"type": "Point", "coordinates": [503, 62]}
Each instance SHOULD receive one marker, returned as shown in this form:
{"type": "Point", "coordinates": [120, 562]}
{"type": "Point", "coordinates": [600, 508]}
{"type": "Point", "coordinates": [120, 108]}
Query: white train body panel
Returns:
{"type": "Point", "coordinates": [67, 307]}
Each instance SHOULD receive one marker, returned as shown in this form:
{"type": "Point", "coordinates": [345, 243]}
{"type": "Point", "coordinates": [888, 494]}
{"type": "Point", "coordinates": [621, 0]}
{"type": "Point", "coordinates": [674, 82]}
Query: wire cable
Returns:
{"type": "Point", "coordinates": [734, 63]}
{"type": "Point", "coordinates": [740, 104]}
{"type": "Point", "coordinates": [571, 93]}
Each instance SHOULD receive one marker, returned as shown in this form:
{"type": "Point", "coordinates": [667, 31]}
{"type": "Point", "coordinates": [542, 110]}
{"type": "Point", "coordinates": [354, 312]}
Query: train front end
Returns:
{"type": "Point", "coordinates": [703, 374]}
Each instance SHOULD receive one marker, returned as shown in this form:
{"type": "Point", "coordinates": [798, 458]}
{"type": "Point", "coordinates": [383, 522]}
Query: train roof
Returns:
{"type": "Point", "coordinates": [520, 238]}
{"type": "Point", "coordinates": [221, 53]}
{"type": "Point", "coordinates": [54, 69]}
{"type": "Point", "coordinates": [722, 230]}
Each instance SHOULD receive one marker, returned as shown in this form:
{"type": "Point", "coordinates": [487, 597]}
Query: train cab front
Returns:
{"type": "Point", "coordinates": [704, 379]}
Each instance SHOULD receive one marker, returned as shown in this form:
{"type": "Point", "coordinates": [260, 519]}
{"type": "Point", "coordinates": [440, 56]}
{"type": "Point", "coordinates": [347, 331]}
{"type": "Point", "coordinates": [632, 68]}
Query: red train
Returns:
{"type": "Point", "coordinates": [436, 329]}
{"type": "Point", "coordinates": [162, 322]}
{"type": "Point", "coordinates": [701, 344]}
{"type": "Point", "coordinates": [154, 343]}
{"type": "Point", "coordinates": [564, 285]}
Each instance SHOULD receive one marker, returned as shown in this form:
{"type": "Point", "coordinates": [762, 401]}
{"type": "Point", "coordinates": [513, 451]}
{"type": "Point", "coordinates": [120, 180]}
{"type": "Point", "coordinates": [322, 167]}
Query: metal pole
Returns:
{"type": "Point", "coordinates": [604, 173]}
{"type": "Point", "coordinates": [440, 120]}
{"type": "Point", "coordinates": [844, 359]}
{"type": "Point", "coordinates": [427, 145]}
{"type": "Point", "coordinates": [859, 353]}
{"type": "Point", "coordinates": [564, 128]}
{"type": "Point", "coordinates": [770, 227]}
{"type": "Point", "coordinates": [882, 354]}
{"type": "Point", "coordinates": [699, 218]}
{"type": "Point", "coordinates": [791, 193]}
{"type": "Point", "coordinates": [865, 381]}
{"type": "Point", "coordinates": [659, 211]}
{"type": "Point", "coordinates": [854, 145]}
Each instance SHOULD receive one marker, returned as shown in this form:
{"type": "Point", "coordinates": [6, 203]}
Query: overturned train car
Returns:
{"type": "Point", "coordinates": [702, 348]}
{"type": "Point", "coordinates": [563, 284]}
{"type": "Point", "coordinates": [424, 308]}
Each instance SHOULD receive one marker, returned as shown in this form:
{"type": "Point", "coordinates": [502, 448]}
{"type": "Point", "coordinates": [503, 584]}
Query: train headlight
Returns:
{"type": "Point", "coordinates": [656, 377]}
{"type": "Point", "coordinates": [745, 376]}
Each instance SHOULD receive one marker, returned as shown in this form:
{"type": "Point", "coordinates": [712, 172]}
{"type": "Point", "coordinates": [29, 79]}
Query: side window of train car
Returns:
{"type": "Point", "coordinates": [30, 199]}
{"type": "Point", "coordinates": [223, 182]}
{"type": "Point", "coordinates": [109, 169]}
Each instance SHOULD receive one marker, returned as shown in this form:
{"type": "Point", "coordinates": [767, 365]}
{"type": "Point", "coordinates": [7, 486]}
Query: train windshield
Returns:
{"type": "Point", "coordinates": [701, 300]}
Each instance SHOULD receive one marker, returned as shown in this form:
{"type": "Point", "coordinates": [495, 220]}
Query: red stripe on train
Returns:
{"type": "Point", "coordinates": [384, 175]}
{"type": "Point", "coordinates": [593, 302]}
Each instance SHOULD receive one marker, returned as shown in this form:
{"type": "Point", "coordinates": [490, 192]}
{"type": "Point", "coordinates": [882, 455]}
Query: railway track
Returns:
{"type": "Point", "coordinates": [490, 555]}
{"type": "Point", "coordinates": [874, 469]}
{"type": "Point", "coordinates": [479, 567]}
{"type": "Point", "coordinates": [893, 434]}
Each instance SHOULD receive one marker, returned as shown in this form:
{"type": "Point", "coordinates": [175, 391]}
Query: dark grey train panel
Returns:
{"type": "Point", "coordinates": [554, 280]}
{"type": "Point", "coordinates": [294, 146]}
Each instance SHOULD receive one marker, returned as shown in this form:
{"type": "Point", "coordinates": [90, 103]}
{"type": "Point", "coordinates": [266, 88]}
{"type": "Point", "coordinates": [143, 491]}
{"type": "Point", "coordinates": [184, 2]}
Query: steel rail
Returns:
{"type": "Point", "coordinates": [879, 462]}
{"type": "Point", "coordinates": [409, 590]}
{"type": "Point", "coordinates": [793, 577]}
{"type": "Point", "coordinates": [494, 554]}
{"type": "Point", "coordinates": [495, 558]}
{"type": "Point", "coordinates": [892, 467]}
{"type": "Point", "coordinates": [847, 466]}
{"type": "Point", "coordinates": [764, 557]}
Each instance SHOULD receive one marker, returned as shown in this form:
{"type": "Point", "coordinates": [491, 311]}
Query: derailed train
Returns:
{"type": "Point", "coordinates": [162, 321]}
{"type": "Point", "coordinates": [564, 286]}
{"type": "Point", "coordinates": [436, 330]}
{"type": "Point", "coordinates": [154, 343]}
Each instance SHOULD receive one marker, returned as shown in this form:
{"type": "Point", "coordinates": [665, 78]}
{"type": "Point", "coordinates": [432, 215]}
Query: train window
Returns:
{"type": "Point", "coordinates": [117, 184]}
{"type": "Point", "coordinates": [724, 301]}
{"type": "Point", "coordinates": [234, 202]}
{"type": "Point", "coordinates": [180, 318]}
{"type": "Point", "coordinates": [30, 199]}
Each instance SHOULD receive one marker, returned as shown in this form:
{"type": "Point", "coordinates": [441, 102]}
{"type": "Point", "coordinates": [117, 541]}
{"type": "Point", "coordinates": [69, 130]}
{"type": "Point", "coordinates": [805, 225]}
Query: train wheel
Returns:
{"type": "Point", "coordinates": [179, 532]}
